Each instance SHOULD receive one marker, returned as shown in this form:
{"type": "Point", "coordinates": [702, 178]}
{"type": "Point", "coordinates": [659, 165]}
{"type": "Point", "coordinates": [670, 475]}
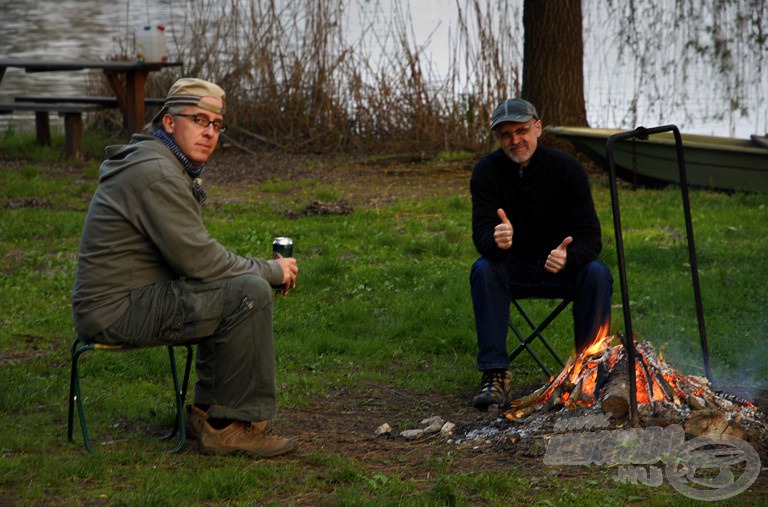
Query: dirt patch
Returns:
{"type": "Point", "coordinates": [361, 180]}
{"type": "Point", "coordinates": [31, 348]}
{"type": "Point", "coordinates": [322, 208]}
{"type": "Point", "coordinates": [29, 202]}
{"type": "Point", "coordinates": [343, 423]}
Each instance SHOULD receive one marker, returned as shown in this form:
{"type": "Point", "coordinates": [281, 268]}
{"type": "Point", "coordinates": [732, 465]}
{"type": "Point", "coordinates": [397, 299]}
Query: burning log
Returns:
{"type": "Point", "coordinates": [572, 402]}
{"type": "Point", "coordinates": [615, 398]}
{"type": "Point", "coordinates": [646, 373]}
{"type": "Point", "coordinates": [696, 402]}
{"type": "Point", "coordinates": [734, 399]}
{"type": "Point", "coordinates": [555, 399]}
{"type": "Point", "coordinates": [669, 391]}
{"type": "Point", "coordinates": [511, 415]}
{"type": "Point", "coordinates": [602, 377]}
{"type": "Point", "coordinates": [654, 365]}
{"type": "Point", "coordinates": [527, 400]}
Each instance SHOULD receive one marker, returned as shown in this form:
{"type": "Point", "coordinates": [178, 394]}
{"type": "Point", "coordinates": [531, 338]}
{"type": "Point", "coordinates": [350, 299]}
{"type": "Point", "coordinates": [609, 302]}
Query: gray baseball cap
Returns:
{"type": "Point", "coordinates": [516, 110]}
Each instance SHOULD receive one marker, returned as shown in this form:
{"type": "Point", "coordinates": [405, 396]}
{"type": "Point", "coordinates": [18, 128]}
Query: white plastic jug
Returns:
{"type": "Point", "coordinates": [150, 44]}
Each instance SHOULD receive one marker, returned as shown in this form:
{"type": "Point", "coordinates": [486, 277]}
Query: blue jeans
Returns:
{"type": "Point", "coordinates": [495, 282]}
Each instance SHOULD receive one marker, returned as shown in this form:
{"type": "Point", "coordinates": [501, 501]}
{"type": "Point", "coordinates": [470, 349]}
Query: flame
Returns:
{"type": "Point", "coordinates": [599, 344]}
{"type": "Point", "coordinates": [583, 369]}
{"type": "Point", "coordinates": [576, 383]}
{"type": "Point", "coordinates": [642, 392]}
{"type": "Point", "coordinates": [590, 381]}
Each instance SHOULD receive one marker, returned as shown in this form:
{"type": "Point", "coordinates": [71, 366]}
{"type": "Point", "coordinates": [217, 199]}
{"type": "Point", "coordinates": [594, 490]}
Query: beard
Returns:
{"type": "Point", "coordinates": [519, 157]}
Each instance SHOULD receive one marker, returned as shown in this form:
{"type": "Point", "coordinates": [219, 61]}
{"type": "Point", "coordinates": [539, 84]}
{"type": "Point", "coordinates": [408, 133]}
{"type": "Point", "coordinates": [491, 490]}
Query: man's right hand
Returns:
{"type": "Point", "coordinates": [290, 272]}
{"type": "Point", "coordinates": [502, 234]}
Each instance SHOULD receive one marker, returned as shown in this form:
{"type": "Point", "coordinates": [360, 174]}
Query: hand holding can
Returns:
{"type": "Point", "coordinates": [282, 252]}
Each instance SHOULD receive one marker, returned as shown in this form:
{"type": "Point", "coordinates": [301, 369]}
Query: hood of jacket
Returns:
{"type": "Point", "coordinates": [140, 149]}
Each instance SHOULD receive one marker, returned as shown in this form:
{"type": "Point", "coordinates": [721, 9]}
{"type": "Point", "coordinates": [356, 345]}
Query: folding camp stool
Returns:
{"type": "Point", "coordinates": [79, 347]}
{"type": "Point", "coordinates": [536, 330]}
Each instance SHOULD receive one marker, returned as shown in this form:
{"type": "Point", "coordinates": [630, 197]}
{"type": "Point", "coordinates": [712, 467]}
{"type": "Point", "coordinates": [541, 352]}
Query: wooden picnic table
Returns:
{"type": "Point", "coordinates": [129, 92]}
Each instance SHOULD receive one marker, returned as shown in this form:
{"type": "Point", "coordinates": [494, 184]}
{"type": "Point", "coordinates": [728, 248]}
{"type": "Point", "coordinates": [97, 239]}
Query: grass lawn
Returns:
{"type": "Point", "coordinates": [380, 329]}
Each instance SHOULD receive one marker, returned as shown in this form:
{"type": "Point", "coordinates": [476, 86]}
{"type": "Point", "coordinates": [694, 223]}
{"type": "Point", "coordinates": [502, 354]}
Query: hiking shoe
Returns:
{"type": "Point", "coordinates": [194, 422]}
{"type": "Point", "coordinates": [494, 388]}
{"type": "Point", "coordinates": [244, 438]}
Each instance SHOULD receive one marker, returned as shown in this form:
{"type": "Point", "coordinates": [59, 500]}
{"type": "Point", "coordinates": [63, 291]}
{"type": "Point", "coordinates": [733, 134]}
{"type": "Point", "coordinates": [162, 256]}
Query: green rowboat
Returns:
{"type": "Point", "coordinates": [711, 162]}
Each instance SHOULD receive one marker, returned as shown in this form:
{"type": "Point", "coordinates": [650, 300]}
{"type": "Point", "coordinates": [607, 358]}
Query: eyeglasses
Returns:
{"type": "Point", "coordinates": [203, 122]}
{"type": "Point", "coordinates": [517, 132]}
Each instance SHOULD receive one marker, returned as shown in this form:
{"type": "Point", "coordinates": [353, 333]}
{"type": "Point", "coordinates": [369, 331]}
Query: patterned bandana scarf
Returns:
{"type": "Point", "coordinates": [194, 171]}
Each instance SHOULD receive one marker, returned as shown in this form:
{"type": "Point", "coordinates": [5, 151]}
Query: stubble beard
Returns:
{"type": "Point", "coordinates": [518, 159]}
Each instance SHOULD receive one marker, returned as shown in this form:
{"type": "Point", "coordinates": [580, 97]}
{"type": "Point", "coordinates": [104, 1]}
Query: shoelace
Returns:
{"type": "Point", "coordinates": [493, 380]}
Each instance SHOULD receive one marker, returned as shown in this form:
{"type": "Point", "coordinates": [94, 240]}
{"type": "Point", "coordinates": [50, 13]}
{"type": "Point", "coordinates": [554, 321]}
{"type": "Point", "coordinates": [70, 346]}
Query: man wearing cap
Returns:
{"type": "Point", "coordinates": [148, 273]}
{"type": "Point", "coordinates": [535, 227]}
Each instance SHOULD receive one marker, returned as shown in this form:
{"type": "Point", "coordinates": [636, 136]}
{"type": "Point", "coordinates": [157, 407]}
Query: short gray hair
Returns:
{"type": "Point", "coordinates": [157, 123]}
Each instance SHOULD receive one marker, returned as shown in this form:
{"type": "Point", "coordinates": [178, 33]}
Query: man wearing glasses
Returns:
{"type": "Point", "coordinates": [535, 227]}
{"type": "Point", "coordinates": [149, 273]}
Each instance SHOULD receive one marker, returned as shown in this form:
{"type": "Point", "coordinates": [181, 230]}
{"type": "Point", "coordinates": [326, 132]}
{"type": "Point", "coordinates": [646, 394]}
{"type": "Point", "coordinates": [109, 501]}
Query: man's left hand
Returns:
{"type": "Point", "coordinates": [502, 233]}
{"type": "Point", "coordinates": [557, 257]}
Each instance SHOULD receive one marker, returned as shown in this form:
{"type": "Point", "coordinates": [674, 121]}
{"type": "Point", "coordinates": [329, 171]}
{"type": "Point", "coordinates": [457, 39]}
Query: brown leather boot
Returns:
{"type": "Point", "coordinates": [196, 417]}
{"type": "Point", "coordinates": [194, 422]}
{"type": "Point", "coordinates": [244, 438]}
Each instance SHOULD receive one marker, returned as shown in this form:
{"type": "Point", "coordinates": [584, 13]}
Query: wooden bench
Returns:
{"type": "Point", "coordinates": [71, 108]}
{"type": "Point", "coordinates": [99, 101]}
{"type": "Point", "coordinates": [73, 123]}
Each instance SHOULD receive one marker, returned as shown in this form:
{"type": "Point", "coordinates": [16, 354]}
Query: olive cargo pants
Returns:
{"type": "Point", "coordinates": [230, 320]}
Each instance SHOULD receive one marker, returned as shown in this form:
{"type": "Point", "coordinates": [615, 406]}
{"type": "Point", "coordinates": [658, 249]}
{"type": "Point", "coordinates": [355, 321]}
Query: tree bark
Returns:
{"type": "Point", "coordinates": [553, 61]}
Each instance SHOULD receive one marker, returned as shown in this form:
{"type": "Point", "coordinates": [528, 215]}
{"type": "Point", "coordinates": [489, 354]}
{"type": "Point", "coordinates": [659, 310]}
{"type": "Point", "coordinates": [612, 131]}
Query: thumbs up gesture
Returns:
{"type": "Point", "coordinates": [558, 256]}
{"type": "Point", "coordinates": [502, 233]}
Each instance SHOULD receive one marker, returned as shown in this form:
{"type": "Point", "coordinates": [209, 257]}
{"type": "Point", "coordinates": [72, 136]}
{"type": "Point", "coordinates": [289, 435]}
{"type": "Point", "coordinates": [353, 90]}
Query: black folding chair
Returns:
{"type": "Point", "coordinates": [527, 293]}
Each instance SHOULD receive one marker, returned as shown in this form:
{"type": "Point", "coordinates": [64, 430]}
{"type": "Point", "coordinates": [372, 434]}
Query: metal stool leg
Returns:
{"type": "Point", "coordinates": [75, 397]}
{"type": "Point", "coordinates": [180, 392]}
{"type": "Point", "coordinates": [536, 330]}
{"type": "Point", "coordinates": [537, 333]}
{"type": "Point", "coordinates": [525, 345]}
{"type": "Point", "coordinates": [72, 392]}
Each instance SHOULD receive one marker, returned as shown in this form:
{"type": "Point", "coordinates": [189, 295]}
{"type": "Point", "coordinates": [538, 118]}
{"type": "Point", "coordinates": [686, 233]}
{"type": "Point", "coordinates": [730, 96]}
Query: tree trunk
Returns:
{"type": "Point", "coordinates": [553, 61]}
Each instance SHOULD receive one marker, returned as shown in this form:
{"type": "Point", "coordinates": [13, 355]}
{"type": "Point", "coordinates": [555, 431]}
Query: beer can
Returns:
{"type": "Point", "coordinates": [282, 247]}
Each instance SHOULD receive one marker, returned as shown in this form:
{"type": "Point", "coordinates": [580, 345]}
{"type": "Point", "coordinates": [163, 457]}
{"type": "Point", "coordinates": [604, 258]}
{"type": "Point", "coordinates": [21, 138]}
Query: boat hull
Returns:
{"type": "Point", "coordinates": [710, 162]}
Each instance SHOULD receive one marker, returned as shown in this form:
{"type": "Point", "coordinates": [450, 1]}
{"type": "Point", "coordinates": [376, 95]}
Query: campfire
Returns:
{"type": "Point", "coordinates": [598, 379]}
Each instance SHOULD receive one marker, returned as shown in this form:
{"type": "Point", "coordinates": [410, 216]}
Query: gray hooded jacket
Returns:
{"type": "Point", "coordinates": [144, 226]}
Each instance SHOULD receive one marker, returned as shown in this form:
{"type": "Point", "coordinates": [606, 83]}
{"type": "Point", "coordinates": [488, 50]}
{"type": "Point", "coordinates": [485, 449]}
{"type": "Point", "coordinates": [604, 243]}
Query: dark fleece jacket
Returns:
{"type": "Point", "coordinates": [547, 201]}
